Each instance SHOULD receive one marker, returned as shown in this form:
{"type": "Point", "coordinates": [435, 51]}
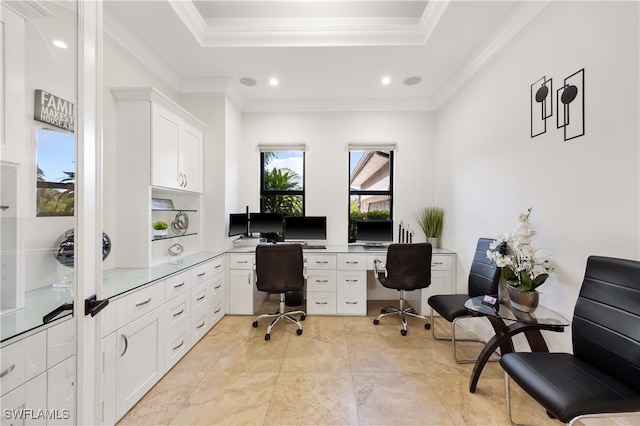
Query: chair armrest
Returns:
{"type": "Point", "coordinates": [304, 269]}
{"type": "Point", "coordinates": [379, 267]}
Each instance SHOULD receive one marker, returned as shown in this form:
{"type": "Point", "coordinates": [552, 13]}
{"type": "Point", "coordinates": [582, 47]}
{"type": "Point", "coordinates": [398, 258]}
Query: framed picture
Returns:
{"type": "Point", "coordinates": [162, 204]}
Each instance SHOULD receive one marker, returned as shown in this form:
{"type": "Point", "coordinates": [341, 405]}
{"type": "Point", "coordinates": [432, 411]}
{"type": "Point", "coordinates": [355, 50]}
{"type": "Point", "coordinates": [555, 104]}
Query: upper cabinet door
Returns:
{"type": "Point", "coordinates": [190, 158]}
{"type": "Point", "coordinates": [165, 136]}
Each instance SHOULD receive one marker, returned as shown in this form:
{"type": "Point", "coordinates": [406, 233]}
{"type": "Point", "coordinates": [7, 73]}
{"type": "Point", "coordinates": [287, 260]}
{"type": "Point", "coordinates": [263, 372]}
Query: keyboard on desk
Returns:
{"type": "Point", "coordinates": [313, 247]}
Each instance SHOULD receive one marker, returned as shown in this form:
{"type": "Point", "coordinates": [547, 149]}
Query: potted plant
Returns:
{"type": "Point", "coordinates": [431, 220]}
{"type": "Point", "coordinates": [160, 228]}
{"type": "Point", "coordinates": [522, 270]}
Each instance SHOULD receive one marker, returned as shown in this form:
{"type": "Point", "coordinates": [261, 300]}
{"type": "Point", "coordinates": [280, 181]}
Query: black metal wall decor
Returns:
{"type": "Point", "coordinates": [541, 105]}
{"type": "Point", "coordinates": [570, 106]}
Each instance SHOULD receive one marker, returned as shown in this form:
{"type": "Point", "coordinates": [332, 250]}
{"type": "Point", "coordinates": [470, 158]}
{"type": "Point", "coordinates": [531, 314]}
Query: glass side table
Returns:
{"type": "Point", "coordinates": [519, 322]}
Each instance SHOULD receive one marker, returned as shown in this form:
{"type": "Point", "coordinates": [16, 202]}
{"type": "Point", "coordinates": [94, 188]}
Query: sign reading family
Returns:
{"type": "Point", "coordinates": [53, 110]}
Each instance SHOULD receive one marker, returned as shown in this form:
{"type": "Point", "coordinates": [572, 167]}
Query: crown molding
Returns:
{"type": "Point", "coordinates": [142, 52]}
{"type": "Point", "coordinates": [513, 24]}
{"type": "Point", "coordinates": [332, 105]}
{"type": "Point", "coordinates": [214, 85]}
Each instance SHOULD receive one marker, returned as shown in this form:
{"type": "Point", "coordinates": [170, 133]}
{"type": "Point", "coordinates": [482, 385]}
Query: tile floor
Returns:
{"type": "Point", "coordinates": [340, 371]}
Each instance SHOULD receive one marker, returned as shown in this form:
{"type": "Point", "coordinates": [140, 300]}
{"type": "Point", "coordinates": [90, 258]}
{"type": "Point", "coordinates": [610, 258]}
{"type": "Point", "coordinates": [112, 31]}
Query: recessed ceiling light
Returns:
{"type": "Point", "coordinates": [59, 43]}
{"type": "Point", "coordinates": [274, 81]}
{"type": "Point", "coordinates": [385, 81]}
{"type": "Point", "coordinates": [412, 81]}
{"type": "Point", "coordinates": [248, 81]}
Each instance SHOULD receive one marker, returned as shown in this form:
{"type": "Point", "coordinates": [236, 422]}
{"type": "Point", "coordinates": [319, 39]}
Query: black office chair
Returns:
{"type": "Point", "coordinates": [408, 268]}
{"type": "Point", "coordinates": [280, 269]}
{"type": "Point", "coordinates": [602, 376]}
{"type": "Point", "coordinates": [484, 278]}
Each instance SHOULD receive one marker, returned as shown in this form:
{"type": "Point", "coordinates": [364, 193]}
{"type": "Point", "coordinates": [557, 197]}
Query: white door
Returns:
{"type": "Point", "coordinates": [190, 158]}
{"type": "Point", "coordinates": [165, 134]}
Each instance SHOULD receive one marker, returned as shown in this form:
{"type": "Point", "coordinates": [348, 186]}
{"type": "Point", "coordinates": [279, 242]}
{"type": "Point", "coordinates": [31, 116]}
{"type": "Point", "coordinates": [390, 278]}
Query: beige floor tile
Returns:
{"type": "Point", "coordinates": [229, 398]}
{"type": "Point", "coordinates": [398, 399]}
{"type": "Point", "coordinates": [253, 353]}
{"type": "Point", "coordinates": [320, 353]}
{"type": "Point", "coordinates": [390, 354]}
{"type": "Point", "coordinates": [314, 398]}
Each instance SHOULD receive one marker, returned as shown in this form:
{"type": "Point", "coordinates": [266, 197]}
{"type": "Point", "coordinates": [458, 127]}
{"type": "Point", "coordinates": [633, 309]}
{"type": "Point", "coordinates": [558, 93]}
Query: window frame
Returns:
{"type": "Point", "coordinates": [358, 192]}
{"type": "Point", "coordinates": [297, 192]}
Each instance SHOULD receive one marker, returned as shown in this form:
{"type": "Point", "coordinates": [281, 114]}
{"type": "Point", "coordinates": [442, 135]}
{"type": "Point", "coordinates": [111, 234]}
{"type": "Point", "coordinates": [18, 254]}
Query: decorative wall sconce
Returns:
{"type": "Point", "coordinates": [570, 106]}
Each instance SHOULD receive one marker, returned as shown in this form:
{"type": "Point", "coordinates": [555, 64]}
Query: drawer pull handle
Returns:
{"type": "Point", "coordinates": [243, 261]}
{"type": "Point", "coordinates": [322, 262]}
{"type": "Point", "coordinates": [352, 262]}
{"type": "Point", "coordinates": [217, 310]}
{"type": "Point", "coordinates": [437, 263]}
{"type": "Point", "coordinates": [143, 303]}
{"type": "Point", "coordinates": [351, 303]}
{"type": "Point", "coordinates": [179, 285]}
{"type": "Point", "coordinates": [201, 275]}
{"type": "Point", "coordinates": [200, 298]}
{"type": "Point", "coordinates": [126, 344]}
{"type": "Point", "coordinates": [200, 326]}
{"type": "Point", "coordinates": [217, 266]}
{"type": "Point", "coordinates": [178, 347]}
{"type": "Point", "coordinates": [322, 303]}
{"type": "Point", "coordinates": [217, 287]}
{"type": "Point", "coordinates": [7, 371]}
{"type": "Point", "coordinates": [177, 314]}
{"type": "Point", "coordinates": [351, 281]}
{"type": "Point", "coordinates": [322, 281]}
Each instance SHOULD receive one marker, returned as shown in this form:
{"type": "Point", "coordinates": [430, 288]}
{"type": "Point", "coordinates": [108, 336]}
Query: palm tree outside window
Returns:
{"type": "Point", "coordinates": [282, 182]}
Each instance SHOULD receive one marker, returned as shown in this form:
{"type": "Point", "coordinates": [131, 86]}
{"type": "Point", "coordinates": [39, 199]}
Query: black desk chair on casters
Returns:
{"type": "Point", "coordinates": [602, 376]}
{"type": "Point", "coordinates": [483, 280]}
{"type": "Point", "coordinates": [280, 269]}
{"type": "Point", "coordinates": [408, 268]}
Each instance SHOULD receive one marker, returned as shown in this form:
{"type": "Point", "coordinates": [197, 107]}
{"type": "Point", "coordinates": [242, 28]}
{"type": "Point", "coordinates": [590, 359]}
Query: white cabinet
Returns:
{"type": "Point", "coordinates": [443, 273]}
{"type": "Point", "coordinates": [140, 359]}
{"type": "Point", "coordinates": [321, 284]}
{"type": "Point", "coordinates": [241, 284]}
{"type": "Point", "coordinates": [351, 292]}
{"type": "Point", "coordinates": [176, 151]}
{"type": "Point", "coordinates": [218, 290]}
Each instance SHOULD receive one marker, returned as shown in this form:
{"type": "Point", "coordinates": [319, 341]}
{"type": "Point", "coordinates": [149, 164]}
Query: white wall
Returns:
{"type": "Point", "coordinates": [584, 192]}
{"type": "Point", "coordinates": [327, 170]}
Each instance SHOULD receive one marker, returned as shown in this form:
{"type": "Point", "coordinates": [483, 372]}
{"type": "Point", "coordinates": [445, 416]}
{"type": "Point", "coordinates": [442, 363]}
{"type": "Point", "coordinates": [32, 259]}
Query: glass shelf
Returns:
{"type": "Point", "coordinates": [174, 210]}
{"type": "Point", "coordinates": [168, 237]}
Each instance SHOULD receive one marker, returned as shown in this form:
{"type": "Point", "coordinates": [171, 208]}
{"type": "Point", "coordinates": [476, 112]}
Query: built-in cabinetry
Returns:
{"type": "Point", "coordinates": [37, 376]}
{"type": "Point", "coordinates": [159, 156]}
{"type": "Point", "coordinates": [146, 331]}
{"type": "Point", "coordinates": [242, 286]}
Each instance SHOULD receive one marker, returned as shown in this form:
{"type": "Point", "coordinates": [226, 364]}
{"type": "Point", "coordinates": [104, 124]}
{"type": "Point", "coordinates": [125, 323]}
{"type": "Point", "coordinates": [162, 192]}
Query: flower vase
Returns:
{"type": "Point", "coordinates": [525, 301]}
{"type": "Point", "coordinates": [434, 241]}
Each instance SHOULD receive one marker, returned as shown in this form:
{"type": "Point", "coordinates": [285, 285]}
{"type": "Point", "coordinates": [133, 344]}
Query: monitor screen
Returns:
{"type": "Point", "coordinates": [374, 230]}
{"type": "Point", "coordinates": [238, 224]}
{"type": "Point", "coordinates": [305, 228]}
{"type": "Point", "coordinates": [266, 222]}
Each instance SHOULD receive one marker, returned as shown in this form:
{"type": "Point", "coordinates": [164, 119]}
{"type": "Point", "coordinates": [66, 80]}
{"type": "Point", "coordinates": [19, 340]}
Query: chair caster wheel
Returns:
{"type": "Point", "coordinates": [255, 324]}
{"type": "Point", "coordinates": [299, 331]}
{"type": "Point", "coordinates": [427, 326]}
{"type": "Point", "coordinates": [267, 336]}
{"type": "Point", "coordinates": [403, 332]}
{"type": "Point", "coordinates": [383, 311]}
{"type": "Point", "coordinates": [376, 322]}
{"type": "Point", "coordinates": [303, 317]}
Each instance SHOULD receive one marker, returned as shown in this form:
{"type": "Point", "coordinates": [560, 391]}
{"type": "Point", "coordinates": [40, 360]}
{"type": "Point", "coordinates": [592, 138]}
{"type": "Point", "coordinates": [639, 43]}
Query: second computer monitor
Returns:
{"type": "Point", "coordinates": [271, 223]}
{"type": "Point", "coordinates": [374, 231]}
{"type": "Point", "coordinates": [303, 228]}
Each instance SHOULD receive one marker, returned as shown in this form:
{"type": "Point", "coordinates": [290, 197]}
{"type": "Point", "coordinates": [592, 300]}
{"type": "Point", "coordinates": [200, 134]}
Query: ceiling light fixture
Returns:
{"type": "Point", "coordinates": [385, 81]}
{"type": "Point", "coordinates": [248, 81]}
{"type": "Point", "coordinates": [274, 81]}
{"type": "Point", "coordinates": [59, 43]}
{"type": "Point", "coordinates": [412, 81]}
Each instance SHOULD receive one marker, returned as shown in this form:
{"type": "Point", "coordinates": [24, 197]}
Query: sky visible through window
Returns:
{"type": "Point", "coordinates": [288, 159]}
{"type": "Point", "coordinates": [56, 154]}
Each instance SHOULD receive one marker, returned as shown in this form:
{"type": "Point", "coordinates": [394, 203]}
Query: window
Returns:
{"type": "Point", "coordinates": [282, 182]}
{"type": "Point", "coordinates": [370, 186]}
{"type": "Point", "coordinates": [55, 178]}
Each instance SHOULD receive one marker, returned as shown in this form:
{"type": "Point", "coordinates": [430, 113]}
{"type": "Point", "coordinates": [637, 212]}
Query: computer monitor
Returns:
{"type": "Point", "coordinates": [303, 228]}
{"type": "Point", "coordinates": [264, 223]}
{"type": "Point", "coordinates": [238, 224]}
{"type": "Point", "coordinates": [374, 231]}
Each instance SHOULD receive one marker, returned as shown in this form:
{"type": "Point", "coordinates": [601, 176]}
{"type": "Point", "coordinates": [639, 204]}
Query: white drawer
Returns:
{"type": "Point", "coordinates": [15, 400]}
{"type": "Point", "coordinates": [217, 312]}
{"type": "Point", "coordinates": [217, 265]}
{"type": "Point", "coordinates": [352, 281]}
{"type": "Point", "coordinates": [36, 354]}
{"type": "Point", "coordinates": [351, 304]}
{"type": "Point", "coordinates": [176, 285]}
{"type": "Point", "coordinates": [201, 273]}
{"type": "Point", "coordinates": [60, 342]}
{"type": "Point", "coordinates": [200, 326]}
{"type": "Point", "coordinates": [110, 318]}
{"type": "Point", "coordinates": [321, 261]}
{"type": "Point", "coordinates": [441, 263]}
{"type": "Point", "coordinates": [135, 305]}
{"type": "Point", "coordinates": [241, 261]}
{"type": "Point", "coordinates": [199, 299]}
{"type": "Point", "coordinates": [176, 348]}
{"type": "Point", "coordinates": [321, 303]}
{"type": "Point", "coordinates": [319, 280]}
{"type": "Point", "coordinates": [352, 262]}
{"type": "Point", "coordinates": [177, 315]}
{"type": "Point", "coordinates": [12, 366]}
